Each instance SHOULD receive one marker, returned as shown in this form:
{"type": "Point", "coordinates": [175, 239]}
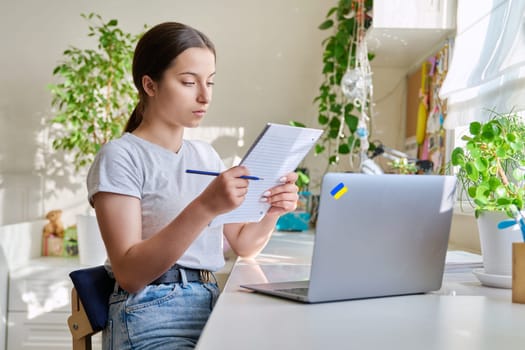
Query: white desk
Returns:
{"type": "Point", "coordinates": [462, 315]}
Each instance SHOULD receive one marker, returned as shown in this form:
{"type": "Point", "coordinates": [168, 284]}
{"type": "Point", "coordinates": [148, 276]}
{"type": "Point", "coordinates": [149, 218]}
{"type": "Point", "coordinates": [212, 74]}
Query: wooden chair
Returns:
{"type": "Point", "coordinates": [89, 304]}
{"type": "Point", "coordinates": [79, 325]}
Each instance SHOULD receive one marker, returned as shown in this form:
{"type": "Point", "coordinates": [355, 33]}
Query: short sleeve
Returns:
{"type": "Point", "coordinates": [114, 170]}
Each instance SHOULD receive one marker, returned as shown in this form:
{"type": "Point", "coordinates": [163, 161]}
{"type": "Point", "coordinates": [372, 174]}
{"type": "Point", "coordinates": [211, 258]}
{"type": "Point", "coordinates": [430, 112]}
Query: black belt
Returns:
{"type": "Point", "coordinates": [174, 275]}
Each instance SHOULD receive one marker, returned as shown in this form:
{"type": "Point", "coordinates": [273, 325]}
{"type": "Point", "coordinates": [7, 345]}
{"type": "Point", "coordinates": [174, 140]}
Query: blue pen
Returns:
{"type": "Point", "coordinates": [213, 173]}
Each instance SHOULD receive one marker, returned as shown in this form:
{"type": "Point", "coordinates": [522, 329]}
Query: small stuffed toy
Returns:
{"type": "Point", "coordinates": [53, 234]}
{"type": "Point", "coordinates": [54, 226]}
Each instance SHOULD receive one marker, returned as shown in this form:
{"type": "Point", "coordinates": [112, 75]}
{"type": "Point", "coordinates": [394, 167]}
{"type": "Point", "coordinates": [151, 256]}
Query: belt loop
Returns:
{"type": "Point", "coordinates": [183, 277]}
{"type": "Point", "coordinates": [116, 288]}
{"type": "Point", "coordinates": [206, 276]}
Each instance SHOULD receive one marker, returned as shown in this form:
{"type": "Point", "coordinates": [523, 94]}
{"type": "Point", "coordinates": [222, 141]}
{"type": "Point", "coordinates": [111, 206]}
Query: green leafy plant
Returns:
{"type": "Point", "coordinates": [491, 164]}
{"type": "Point", "coordinates": [340, 51]}
{"type": "Point", "coordinates": [96, 94]}
{"type": "Point", "coordinates": [403, 166]}
{"type": "Point", "coordinates": [303, 179]}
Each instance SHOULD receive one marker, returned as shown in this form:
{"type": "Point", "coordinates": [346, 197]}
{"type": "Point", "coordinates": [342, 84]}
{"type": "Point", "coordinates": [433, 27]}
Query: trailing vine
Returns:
{"type": "Point", "coordinates": [337, 115]}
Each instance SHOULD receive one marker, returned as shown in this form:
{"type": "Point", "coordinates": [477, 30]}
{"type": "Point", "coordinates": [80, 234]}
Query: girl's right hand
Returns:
{"type": "Point", "coordinates": [227, 191]}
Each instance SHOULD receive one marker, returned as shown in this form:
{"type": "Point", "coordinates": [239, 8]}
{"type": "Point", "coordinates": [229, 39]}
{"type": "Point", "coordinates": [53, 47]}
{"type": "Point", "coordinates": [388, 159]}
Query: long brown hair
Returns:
{"type": "Point", "coordinates": [154, 53]}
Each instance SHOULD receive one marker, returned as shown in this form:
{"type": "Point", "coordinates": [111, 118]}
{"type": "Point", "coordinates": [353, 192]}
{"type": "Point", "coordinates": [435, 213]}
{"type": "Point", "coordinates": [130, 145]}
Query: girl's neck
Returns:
{"type": "Point", "coordinates": [166, 137]}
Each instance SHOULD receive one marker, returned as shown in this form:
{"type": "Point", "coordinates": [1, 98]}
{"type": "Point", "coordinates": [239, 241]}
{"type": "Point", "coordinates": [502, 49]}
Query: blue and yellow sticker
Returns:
{"type": "Point", "coordinates": [339, 190]}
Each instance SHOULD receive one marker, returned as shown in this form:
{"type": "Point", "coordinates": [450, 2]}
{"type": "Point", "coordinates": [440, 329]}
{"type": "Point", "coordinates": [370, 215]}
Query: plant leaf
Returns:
{"type": "Point", "coordinates": [326, 24]}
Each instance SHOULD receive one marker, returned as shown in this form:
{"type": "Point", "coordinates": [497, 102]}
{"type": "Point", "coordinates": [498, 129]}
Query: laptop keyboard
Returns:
{"type": "Point", "coordinates": [297, 291]}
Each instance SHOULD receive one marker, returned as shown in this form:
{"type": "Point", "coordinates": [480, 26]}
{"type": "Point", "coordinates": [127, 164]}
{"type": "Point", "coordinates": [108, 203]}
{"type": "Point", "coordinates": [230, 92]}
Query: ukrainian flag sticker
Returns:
{"type": "Point", "coordinates": [339, 190]}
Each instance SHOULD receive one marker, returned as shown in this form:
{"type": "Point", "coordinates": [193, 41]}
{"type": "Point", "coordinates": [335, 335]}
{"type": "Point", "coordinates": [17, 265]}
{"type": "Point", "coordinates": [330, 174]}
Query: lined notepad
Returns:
{"type": "Point", "coordinates": [277, 151]}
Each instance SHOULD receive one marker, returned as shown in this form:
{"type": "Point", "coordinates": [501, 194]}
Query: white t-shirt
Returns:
{"type": "Point", "coordinates": [135, 167]}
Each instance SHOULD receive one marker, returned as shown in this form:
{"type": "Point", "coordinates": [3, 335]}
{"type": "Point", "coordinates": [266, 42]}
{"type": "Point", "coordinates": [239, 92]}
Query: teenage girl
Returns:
{"type": "Point", "coordinates": [154, 218]}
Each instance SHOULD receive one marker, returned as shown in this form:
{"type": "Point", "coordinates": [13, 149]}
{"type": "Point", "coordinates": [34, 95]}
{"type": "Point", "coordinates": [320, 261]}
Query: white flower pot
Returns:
{"type": "Point", "coordinates": [91, 249]}
{"type": "Point", "coordinates": [496, 244]}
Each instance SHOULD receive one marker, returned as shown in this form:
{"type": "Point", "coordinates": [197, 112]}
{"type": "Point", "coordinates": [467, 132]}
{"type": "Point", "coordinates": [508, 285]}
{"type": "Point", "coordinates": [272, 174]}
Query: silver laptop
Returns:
{"type": "Point", "coordinates": [376, 235]}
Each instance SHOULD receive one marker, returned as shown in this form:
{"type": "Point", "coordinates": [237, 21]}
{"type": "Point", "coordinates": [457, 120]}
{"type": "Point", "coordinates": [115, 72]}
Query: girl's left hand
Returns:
{"type": "Point", "coordinates": [282, 198]}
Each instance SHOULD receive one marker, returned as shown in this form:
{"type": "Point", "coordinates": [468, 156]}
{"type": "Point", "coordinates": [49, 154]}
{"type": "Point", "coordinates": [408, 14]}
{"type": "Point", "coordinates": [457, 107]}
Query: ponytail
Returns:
{"type": "Point", "coordinates": [136, 117]}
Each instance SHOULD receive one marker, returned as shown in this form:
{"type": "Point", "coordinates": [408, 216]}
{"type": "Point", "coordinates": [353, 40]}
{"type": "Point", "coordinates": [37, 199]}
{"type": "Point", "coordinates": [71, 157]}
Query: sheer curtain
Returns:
{"type": "Point", "coordinates": [487, 70]}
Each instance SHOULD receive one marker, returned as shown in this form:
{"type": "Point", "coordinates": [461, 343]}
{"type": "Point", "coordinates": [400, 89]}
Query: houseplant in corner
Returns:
{"type": "Point", "coordinates": [92, 103]}
{"type": "Point", "coordinates": [344, 59]}
{"type": "Point", "coordinates": [491, 174]}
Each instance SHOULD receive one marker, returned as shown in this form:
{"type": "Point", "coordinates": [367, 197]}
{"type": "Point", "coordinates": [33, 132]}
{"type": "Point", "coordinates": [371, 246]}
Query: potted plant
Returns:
{"type": "Point", "coordinates": [92, 103]}
{"type": "Point", "coordinates": [490, 172]}
{"type": "Point", "coordinates": [96, 95]}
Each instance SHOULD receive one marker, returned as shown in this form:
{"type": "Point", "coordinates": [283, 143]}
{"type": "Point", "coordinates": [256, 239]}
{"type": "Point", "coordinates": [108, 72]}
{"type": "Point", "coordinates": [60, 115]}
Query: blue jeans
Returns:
{"type": "Point", "coordinates": [165, 316]}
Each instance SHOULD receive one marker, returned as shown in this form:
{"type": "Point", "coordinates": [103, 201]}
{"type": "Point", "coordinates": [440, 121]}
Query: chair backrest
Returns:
{"type": "Point", "coordinates": [94, 286]}
{"type": "Point", "coordinates": [89, 304]}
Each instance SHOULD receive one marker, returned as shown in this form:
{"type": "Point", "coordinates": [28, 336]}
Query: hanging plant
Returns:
{"type": "Point", "coordinates": [338, 115]}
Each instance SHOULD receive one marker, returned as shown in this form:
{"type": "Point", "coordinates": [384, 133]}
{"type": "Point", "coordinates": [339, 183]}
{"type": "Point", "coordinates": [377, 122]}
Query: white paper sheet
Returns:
{"type": "Point", "coordinates": [459, 260]}
{"type": "Point", "coordinates": [277, 151]}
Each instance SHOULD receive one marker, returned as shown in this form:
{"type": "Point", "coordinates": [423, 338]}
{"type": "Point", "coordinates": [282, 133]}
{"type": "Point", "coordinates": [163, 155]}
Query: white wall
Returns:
{"type": "Point", "coordinates": [268, 64]}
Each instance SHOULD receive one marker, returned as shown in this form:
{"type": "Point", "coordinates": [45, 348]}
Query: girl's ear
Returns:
{"type": "Point", "coordinates": [149, 86]}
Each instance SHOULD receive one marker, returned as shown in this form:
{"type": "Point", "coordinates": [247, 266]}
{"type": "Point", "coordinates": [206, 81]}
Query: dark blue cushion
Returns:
{"type": "Point", "coordinates": [94, 286]}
